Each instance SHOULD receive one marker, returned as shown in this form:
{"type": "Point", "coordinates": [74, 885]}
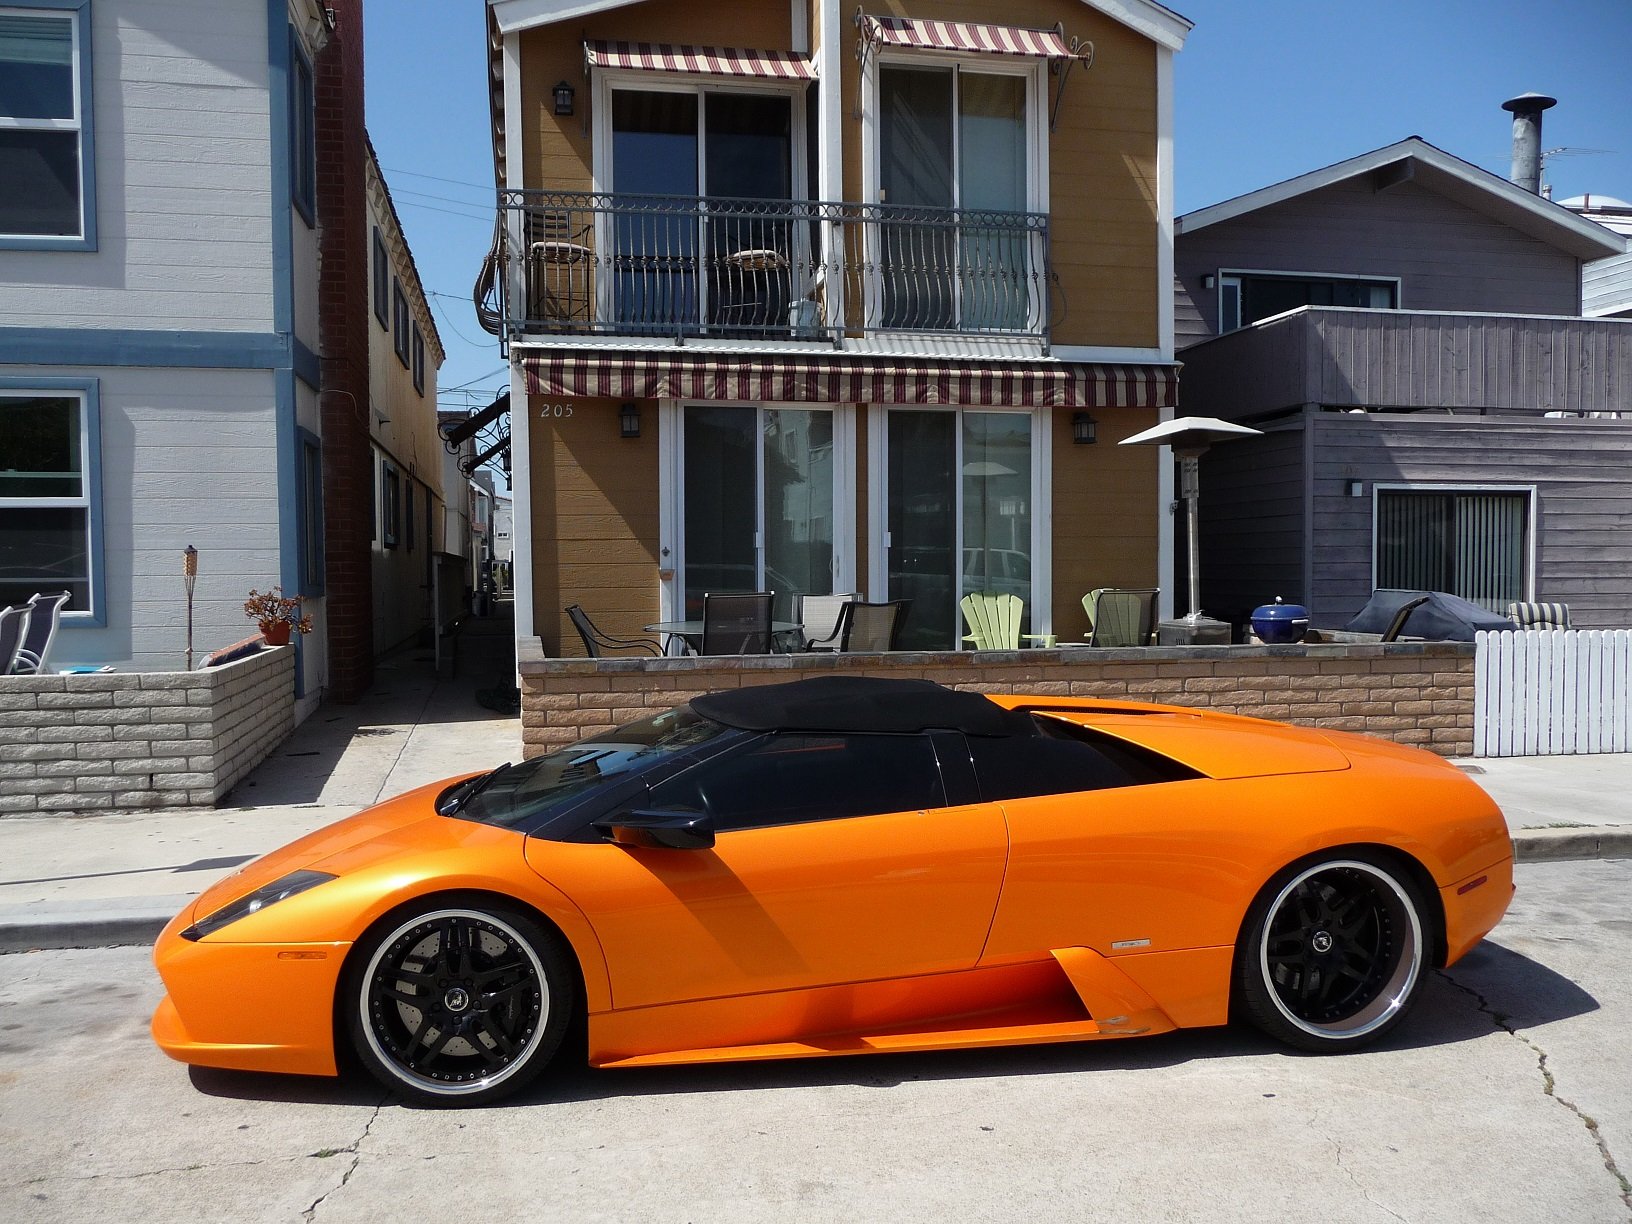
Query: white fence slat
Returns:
{"type": "Point", "coordinates": [1552, 692]}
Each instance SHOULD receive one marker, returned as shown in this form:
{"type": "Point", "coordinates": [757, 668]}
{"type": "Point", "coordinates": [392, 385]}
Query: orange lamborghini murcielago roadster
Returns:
{"type": "Point", "coordinates": [846, 866]}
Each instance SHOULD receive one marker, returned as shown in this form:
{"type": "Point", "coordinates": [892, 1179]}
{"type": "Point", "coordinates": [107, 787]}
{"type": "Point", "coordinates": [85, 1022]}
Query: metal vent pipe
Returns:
{"type": "Point", "coordinates": [1527, 110]}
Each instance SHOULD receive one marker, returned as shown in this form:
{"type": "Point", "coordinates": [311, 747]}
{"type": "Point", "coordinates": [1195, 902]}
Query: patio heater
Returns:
{"type": "Point", "coordinates": [1190, 437]}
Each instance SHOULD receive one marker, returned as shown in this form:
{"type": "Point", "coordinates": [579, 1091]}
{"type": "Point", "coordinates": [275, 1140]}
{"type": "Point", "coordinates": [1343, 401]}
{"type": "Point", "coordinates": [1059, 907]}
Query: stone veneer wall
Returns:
{"type": "Point", "coordinates": [116, 741]}
{"type": "Point", "coordinates": [1412, 693]}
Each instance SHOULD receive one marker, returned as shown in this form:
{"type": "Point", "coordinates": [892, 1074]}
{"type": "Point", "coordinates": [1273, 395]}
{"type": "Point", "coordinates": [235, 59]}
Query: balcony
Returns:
{"type": "Point", "coordinates": [690, 268]}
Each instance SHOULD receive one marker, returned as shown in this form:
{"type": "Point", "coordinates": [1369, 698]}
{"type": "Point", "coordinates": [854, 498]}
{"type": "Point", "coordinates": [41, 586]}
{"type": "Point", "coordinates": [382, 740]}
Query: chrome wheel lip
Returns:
{"type": "Point", "coordinates": [439, 1087]}
{"type": "Point", "coordinates": [1401, 981]}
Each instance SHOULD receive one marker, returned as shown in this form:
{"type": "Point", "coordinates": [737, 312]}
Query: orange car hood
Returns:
{"type": "Point", "coordinates": [366, 826]}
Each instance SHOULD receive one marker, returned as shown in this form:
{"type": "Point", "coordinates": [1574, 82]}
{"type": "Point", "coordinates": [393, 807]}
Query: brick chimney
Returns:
{"type": "Point", "coordinates": [343, 336]}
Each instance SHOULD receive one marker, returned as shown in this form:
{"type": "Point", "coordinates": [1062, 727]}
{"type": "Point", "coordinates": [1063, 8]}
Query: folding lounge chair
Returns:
{"type": "Point", "coordinates": [44, 612]}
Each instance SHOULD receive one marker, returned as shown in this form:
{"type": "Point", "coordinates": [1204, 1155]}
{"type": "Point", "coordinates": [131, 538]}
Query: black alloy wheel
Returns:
{"type": "Point", "coordinates": [459, 1006]}
{"type": "Point", "coordinates": [1333, 955]}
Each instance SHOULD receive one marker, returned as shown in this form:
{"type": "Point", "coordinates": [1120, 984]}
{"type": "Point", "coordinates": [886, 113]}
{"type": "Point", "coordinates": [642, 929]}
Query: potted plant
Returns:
{"type": "Point", "coordinates": [276, 614]}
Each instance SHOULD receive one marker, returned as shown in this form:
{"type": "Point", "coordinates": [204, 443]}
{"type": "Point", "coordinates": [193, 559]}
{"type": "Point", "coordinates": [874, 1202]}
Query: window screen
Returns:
{"type": "Point", "coordinates": [791, 779]}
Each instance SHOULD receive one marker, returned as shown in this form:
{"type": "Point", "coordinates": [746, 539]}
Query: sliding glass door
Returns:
{"type": "Point", "coordinates": [958, 514]}
{"type": "Point", "coordinates": [758, 504]}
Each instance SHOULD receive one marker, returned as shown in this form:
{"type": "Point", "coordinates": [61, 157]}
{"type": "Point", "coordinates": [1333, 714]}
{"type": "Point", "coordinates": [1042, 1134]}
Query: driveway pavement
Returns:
{"type": "Point", "coordinates": [1504, 1098]}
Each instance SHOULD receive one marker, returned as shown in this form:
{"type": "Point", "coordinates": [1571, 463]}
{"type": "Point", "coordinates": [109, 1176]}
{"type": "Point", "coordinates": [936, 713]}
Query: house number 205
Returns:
{"type": "Point", "coordinates": [555, 410]}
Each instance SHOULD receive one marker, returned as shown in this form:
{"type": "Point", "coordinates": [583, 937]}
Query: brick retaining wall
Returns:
{"type": "Point", "coordinates": [1412, 693]}
{"type": "Point", "coordinates": [118, 741]}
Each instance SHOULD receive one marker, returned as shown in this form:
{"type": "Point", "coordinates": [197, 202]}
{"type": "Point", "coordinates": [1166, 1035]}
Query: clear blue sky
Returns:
{"type": "Point", "coordinates": [1265, 90]}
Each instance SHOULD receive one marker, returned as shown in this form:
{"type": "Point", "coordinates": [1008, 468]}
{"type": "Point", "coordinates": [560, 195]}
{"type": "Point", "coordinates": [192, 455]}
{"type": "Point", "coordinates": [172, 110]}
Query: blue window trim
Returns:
{"type": "Point", "coordinates": [85, 240]}
{"type": "Point", "coordinates": [307, 442]}
{"type": "Point", "coordinates": [302, 133]}
{"type": "Point", "coordinates": [97, 617]}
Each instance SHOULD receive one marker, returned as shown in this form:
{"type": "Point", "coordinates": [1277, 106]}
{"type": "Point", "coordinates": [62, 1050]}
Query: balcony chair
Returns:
{"type": "Point", "coordinates": [43, 613]}
{"type": "Point", "coordinates": [1120, 616]}
{"type": "Point", "coordinates": [595, 641]}
{"type": "Point", "coordinates": [1539, 615]}
{"type": "Point", "coordinates": [994, 621]}
{"type": "Point", "coordinates": [737, 624]}
{"type": "Point", "coordinates": [872, 628]}
{"type": "Point", "coordinates": [13, 627]}
{"type": "Point", "coordinates": [559, 269]}
{"type": "Point", "coordinates": [752, 286]}
{"type": "Point", "coordinates": [820, 619]}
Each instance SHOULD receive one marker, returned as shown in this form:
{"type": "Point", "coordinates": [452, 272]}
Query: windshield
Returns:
{"type": "Point", "coordinates": [527, 792]}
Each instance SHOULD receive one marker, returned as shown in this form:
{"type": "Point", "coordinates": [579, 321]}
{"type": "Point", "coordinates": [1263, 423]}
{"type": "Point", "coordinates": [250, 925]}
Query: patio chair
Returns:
{"type": "Point", "coordinates": [871, 628]}
{"type": "Point", "coordinates": [13, 627]}
{"type": "Point", "coordinates": [1539, 615]}
{"type": "Point", "coordinates": [595, 641]}
{"type": "Point", "coordinates": [994, 621]}
{"type": "Point", "coordinates": [737, 624]}
{"type": "Point", "coordinates": [1120, 616]}
{"type": "Point", "coordinates": [820, 620]}
{"type": "Point", "coordinates": [43, 613]}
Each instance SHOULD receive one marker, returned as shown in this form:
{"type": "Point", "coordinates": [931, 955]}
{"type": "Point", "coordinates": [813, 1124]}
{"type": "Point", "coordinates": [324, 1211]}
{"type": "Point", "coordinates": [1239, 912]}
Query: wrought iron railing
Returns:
{"type": "Point", "coordinates": [579, 263]}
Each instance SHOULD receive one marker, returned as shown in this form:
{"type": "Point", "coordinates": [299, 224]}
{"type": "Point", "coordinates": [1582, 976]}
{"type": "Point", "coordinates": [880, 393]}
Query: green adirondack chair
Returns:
{"type": "Point", "coordinates": [993, 620]}
{"type": "Point", "coordinates": [1120, 616]}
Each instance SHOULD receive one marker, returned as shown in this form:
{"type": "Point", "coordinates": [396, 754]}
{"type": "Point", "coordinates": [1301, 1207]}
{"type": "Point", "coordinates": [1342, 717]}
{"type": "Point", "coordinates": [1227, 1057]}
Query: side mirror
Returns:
{"type": "Point", "coordinates": [675, 829]}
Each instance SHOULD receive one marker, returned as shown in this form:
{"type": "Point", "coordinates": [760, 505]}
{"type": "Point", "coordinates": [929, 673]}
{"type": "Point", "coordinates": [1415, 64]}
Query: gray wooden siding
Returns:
{"type": "Point", "coordinates": [1579, 468]}
{"type": "Point", "coordinates": [1408, 359]}
{"type": "Point", "coordinates": [1606, 286]}
{"type": "Point", "coordinates": [1252, 524]}
{"type": "Point", "coordinates": [1447, 256]}
{"type": "Point", "coordinates": [182, 135]}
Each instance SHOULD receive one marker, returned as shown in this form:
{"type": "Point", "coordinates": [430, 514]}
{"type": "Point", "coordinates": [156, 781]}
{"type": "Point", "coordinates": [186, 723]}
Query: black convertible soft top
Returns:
{"type": "Point", "coordinates": [859, 703]}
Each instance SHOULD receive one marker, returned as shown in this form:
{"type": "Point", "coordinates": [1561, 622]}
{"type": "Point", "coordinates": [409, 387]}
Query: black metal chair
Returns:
{"type": "Point", "coordinates": [871, 628]}
{"type": "Point", "coordinates": [737, 624]}
{"type": "Point", "coordinates": [13, 627]}
{"type": "Point", "coordinates": [595, 641]}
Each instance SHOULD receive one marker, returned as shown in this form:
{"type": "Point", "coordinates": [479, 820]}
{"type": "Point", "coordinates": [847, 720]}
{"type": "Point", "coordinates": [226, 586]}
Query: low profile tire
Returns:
{"type": "Point", "coordinates": [458, 1004]}
{"type": "Point", "coordinates": [1333, 953]}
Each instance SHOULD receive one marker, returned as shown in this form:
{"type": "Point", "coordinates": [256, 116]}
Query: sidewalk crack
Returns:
{"type": "Point", "coordinates": [1337, 1150]}
{"type": "Point", "coordinates": [356, 1158]}
{"type": "Point", "coordinates": [1549, 1086]}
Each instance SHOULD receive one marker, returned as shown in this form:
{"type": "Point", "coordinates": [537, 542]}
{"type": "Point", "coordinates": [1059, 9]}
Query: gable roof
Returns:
{"type": "Point", "coordinates": [1157, 23]}
{"type": "Point", "coordinates": [1416, 160]}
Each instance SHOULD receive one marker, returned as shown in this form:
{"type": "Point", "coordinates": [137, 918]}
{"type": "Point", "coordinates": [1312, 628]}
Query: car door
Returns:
{"type": "Point", "coordinates": [837, 859]}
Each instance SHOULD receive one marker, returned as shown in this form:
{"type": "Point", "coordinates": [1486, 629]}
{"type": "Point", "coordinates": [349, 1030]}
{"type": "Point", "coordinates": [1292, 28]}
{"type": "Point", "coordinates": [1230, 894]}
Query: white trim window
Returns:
{"type": "Point", "coordinates": [1245, 297]}
{"type": "Point", "coordinates": [1473, 541]}
{"type": "Point", "coordinates": [963, 134]}
{"type": "Point", "coordinates": [47, 497]}
{"type": "Point", "coordinates": [46, 188]}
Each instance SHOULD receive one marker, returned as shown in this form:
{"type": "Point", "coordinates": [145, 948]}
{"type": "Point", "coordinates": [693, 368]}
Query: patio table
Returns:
{"type": "Point", "coordinates": [691, 631]}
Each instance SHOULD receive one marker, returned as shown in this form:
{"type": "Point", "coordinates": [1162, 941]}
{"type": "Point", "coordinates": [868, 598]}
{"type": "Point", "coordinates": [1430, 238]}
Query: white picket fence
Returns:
{"type": "Point", "coordinates": [1552, 693]}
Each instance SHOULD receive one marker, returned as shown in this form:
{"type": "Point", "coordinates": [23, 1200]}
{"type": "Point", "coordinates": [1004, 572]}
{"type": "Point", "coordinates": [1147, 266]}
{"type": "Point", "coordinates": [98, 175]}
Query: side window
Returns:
{"type": "Point", "coordinates": [1061, 759]}
{"type": "Point", "coordinates": [795, 778]}
{"type": "Point", "coordinates": [382, 282]}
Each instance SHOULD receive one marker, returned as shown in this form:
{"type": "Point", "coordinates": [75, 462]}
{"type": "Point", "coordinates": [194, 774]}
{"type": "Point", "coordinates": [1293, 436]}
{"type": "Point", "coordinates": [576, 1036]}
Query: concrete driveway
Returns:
{"type": "Point", "coordinates": [1506, 1097]}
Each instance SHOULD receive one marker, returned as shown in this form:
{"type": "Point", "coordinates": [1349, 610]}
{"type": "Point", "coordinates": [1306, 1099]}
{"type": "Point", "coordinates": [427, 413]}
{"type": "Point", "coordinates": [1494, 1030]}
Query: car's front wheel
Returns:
{"type": "Point", "coordinates": [1333, 953]}
{"type": "Point", "coordinates": [459, 1005]}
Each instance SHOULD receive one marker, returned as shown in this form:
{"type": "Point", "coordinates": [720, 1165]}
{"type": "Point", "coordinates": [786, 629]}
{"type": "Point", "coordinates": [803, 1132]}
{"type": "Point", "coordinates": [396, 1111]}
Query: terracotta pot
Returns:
{"type": "Point", "coordinates": [275, 633]}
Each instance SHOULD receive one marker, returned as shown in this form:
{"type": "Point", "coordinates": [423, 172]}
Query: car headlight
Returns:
{"type": "Point", "coordinates": [293, 884]}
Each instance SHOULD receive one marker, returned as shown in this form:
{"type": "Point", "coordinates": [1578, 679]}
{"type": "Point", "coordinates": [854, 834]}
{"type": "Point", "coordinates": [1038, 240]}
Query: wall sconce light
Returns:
{"type": "Point", "coordinates": [1209, 281]}
{"type": "Point", "coordinates": [1357, 488]}
{"type": "Point", "coordinates": [563, 98]}
{"type": "Point", "coordinates": [629, 420]}
{"type": "Point", "coordinates": [1084, 429]}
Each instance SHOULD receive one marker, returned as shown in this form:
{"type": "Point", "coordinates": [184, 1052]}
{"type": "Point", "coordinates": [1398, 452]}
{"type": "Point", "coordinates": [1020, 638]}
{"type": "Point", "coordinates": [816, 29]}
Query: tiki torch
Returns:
{"type": "Point", "coordinates": [189, 575]}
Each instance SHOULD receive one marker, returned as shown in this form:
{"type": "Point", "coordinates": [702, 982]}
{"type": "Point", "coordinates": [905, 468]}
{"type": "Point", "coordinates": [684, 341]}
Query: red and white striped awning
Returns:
{"type": "Point", "coordinates": [926, 35]}
{"type": "Point", "coordinates": [717, 61]}
{"type": "Point", "coordinates": [1054, 384]}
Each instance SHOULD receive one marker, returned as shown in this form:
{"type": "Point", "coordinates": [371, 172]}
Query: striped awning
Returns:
{"type": "Point", "coordinates": [717, 61]}
{"type": "Point", "coordinates": [1053, 384]}
{"type": "Point", "coordinates": [964, 36]}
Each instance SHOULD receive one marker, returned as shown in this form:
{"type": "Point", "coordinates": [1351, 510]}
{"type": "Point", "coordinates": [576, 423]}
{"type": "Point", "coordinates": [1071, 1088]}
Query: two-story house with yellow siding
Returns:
{"type": "Point", "coordinates": [810, 298]}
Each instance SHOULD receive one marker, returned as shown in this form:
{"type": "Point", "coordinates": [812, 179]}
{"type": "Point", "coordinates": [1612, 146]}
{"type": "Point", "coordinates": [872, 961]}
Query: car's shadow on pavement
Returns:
{"type": "Point", "coordinates": [1490, 989]}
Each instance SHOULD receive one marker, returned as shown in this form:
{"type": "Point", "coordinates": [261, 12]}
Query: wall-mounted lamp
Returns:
{"type": "Point", "coordinates": [629, 420]}
{"type": "Point", "coordinates": [1084, 429]}
{"type": "Point", "coordinates": [1357, 488]}
{"type": "Point", "coordinates": [1209, 281]}
{"type": "Point", "coordinates": [563, 98]}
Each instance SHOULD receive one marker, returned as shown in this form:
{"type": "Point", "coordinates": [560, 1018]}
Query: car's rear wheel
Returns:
{"type": "Point", "coordinates": [1333, 953]}
{"type": "Point", "coordinates": [459, 1005]}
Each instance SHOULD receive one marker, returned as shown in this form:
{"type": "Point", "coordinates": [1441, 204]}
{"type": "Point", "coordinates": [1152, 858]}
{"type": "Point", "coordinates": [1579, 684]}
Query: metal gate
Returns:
{"type": "Point", "coordinates": [1552, 692]}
